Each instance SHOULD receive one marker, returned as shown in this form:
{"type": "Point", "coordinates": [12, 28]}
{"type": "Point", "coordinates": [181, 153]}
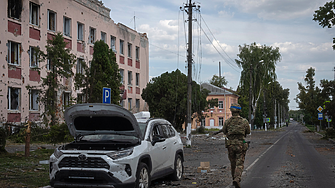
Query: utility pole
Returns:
{"type": "Point", "coordinates": [189, 73]}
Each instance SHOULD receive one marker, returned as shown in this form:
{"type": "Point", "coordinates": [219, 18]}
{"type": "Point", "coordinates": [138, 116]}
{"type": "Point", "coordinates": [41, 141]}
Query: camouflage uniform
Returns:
{"type": "Point", "coordinates": [236, 128]}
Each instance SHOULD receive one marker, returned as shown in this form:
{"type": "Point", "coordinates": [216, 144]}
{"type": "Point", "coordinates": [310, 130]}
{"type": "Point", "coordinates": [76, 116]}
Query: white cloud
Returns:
{"type": "Point", "coordinates": [277, 10]}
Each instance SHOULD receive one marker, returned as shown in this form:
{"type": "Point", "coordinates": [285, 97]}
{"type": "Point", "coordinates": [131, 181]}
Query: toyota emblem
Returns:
{"type": "Point", "coordinates": [82, 157]}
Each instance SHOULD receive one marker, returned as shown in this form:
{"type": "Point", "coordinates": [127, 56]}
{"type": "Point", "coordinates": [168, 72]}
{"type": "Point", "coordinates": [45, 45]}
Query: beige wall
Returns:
{"type": "Point", "coordinates": [91, 14]}
{"type": "Point", "coordinates": [214, 114]}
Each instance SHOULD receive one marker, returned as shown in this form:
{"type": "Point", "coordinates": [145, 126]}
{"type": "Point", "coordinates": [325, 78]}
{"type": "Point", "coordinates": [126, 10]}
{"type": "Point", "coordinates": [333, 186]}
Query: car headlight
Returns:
{"type": "Point", "coordinates": [57, 153]}
{"type": "Point", "coordinates": [120, 154]}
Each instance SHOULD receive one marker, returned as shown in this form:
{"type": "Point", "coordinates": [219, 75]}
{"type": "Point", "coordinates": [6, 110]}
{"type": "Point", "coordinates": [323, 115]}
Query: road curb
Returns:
{"type": "Point", "coordinates": [332, 140]}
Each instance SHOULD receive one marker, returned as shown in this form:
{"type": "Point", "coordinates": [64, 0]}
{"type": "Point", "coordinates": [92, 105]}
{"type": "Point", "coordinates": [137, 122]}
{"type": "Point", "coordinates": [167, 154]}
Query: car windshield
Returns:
{"type": "Point", "coordinates": [109, 138]}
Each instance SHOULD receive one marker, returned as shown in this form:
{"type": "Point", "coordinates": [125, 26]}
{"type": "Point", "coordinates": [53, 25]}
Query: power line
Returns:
{"type": "Point", "coordinates": [229, 63]}
{"type": "Point", "coordinates": [167, 50]}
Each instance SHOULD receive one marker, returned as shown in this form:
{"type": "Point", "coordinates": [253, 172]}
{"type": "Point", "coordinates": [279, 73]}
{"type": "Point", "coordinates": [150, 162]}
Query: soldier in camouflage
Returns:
{"type": "Point", "coordinates": [236, 129]}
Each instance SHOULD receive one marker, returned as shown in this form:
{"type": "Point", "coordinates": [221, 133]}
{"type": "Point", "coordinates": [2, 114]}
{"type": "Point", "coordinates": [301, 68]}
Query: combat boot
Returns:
{"type": "Point", "coordinates": [236, 184]}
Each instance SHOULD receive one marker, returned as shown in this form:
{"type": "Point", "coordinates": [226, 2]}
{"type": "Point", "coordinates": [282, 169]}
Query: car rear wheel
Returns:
{"type": "Point", "coordinates": [178, 168]}
{"type": "Point", "coordinates": [142, 176]}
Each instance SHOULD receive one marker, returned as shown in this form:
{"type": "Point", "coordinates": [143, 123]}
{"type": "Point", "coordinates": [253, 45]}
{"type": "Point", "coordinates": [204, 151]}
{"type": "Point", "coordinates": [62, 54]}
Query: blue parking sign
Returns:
{"type": "Point", "coordinates": [106, 95]}
{"type": "Point", "coordinates": [320, 116]}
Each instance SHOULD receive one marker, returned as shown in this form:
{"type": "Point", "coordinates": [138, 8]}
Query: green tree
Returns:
{"type": "Point", "coordinates": [218, 81]}
{"type": "Point", "coordinates": [60, 62]}
{"type": "Point", "coordinates": [166, 96]}
{"type": "Point", "coordinates": [327, 94]}
{"type": "Point", "coordinates": [258, 65]}
{"type": "Point", "coordinates": [104, 72]}
{"type": "Point", "coordinates": [326, 16]}
{"type": "Point", "coordinates": [308, 97]}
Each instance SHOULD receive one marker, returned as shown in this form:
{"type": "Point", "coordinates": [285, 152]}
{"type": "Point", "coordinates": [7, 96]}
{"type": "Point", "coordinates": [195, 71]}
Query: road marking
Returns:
{"type": "Point", "coordinates": [252, 164]}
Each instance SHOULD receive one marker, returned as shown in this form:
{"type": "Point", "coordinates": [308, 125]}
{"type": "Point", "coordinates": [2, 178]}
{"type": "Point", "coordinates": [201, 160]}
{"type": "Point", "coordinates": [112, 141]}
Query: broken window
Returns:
{"type": "Point", "coordinates": [103, 36]}
{"type": "Point", "coordinates": [51, 20]}
{"type": "Point", "coordinates": [122, 75]}
{"type": "Point", "coordinates": [137, 79]}
{"type": "Point", "coordinates": [129, 50]}
{"type": "Point", "coordinates": [14, 8]}
{"type": "Point", "coordinates": [92, 35]}
{"type": "Point", "coordinates": [14, 95]}
{"type": "Point", "coordinates": [113, 39]}
{"type": "Point", "coordinates": [66, 99]}
{"type": "Point", "coordinates": [33, 100]}
{"type": "Point", "coordinates": [80, 69]}
{"type": "Point", "coordinates": [121, 47]}
{"type": "Point", "coordinates": [137, 53]}
{"type": "Point", "coordinates": [33, 57]}
{"type": "Point", "coordinates": [130, 77]}
{"type": "Point", "coordinates": [80, 31]}
{"type": "Point", "coordinates": [67, 27]}
{"type": "Point", "coordinates": [34, 14]}
{"type": "Point", "coordinates": [14, 53]}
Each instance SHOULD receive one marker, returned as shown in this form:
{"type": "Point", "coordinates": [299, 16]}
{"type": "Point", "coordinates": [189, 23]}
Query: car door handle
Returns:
{"type": "Point", "coordinates": [175, 143]}
{"type": "Point", "coordinates": [164, 147]}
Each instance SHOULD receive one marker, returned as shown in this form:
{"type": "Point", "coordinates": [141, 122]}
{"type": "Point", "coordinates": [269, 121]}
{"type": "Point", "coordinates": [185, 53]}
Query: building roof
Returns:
{"type": "Point", "coordinates": [214, 90]}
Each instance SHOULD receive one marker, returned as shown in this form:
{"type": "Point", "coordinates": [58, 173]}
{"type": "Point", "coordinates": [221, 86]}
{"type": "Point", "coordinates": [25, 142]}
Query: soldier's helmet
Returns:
{"type": "Point", "coordinates": [235, 107]}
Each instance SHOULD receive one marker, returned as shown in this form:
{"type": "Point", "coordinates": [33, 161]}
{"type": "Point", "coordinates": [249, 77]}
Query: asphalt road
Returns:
{"type": "Point", "coordinates": [291, 161]}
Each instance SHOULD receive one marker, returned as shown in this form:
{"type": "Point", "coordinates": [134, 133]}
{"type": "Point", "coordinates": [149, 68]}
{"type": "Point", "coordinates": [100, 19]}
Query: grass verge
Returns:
{"type": "Point", "coordinates": [19, 171]}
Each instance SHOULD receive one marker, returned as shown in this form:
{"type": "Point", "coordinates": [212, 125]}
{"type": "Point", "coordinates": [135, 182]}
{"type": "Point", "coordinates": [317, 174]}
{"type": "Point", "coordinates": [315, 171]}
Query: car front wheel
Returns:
{"type": "Point", "coordinates": [178, 168]}
{"type": "Point", "coordinates": [142, 176]}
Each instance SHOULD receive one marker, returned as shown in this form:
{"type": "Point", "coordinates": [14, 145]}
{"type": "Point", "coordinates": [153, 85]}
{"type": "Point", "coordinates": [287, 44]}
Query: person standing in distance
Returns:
{"type": "Point", "coordinates": [236, 129]}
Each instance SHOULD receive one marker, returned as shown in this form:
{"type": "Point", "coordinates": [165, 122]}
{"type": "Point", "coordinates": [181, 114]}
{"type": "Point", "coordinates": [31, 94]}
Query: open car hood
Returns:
{"type": "Point", "coordinates": [99, 118]}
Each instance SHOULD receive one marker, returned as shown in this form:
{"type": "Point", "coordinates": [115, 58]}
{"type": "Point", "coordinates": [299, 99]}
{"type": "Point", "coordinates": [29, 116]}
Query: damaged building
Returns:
{"type": "Point", "coordinates": [29, 23]}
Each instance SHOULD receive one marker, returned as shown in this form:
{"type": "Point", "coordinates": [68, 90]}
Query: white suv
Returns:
{"type": "Point", "coordinates": [114, 149]}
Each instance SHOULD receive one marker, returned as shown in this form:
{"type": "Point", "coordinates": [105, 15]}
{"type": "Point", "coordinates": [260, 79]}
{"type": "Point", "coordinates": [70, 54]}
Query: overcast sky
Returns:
{"type": "Point", "coordinates": [286, 24]}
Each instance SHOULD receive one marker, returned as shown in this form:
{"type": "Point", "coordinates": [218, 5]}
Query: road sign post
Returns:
{"type": "Point", "coordinates": [106, 95]}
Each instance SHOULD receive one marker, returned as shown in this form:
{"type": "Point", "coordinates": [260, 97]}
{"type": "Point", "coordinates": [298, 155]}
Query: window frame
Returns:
{"type": "Point", "coordinates": [122, 75]}
{"type": "Point", "coordinates": [130, 100]}
{"type": "Point", "coordinates": [31, 100]}
{"type": "Point", "coordinates": [66, 95]}
{"type": "Point", "coordinates": [221, 121]}
{"type": "Point", "coordinates": [9, 99]}
{"type": "Point", "coordinates": [103, 36]}
{"type": "Point", "coordinates": [80, 31]}
{"type": "Point", "coordinates": [130, 77]}
{"type": "Point", "coordinates": [55, 20]}
{"type": "Point", "coordinates": [79, 67]}
{"type": "Point", "coordinates": [220, 105]}
{"type": "Point", "coordinates": [130, 46]}
{"type": "Point", "coordinates": [137, 80]}
{"type": "Point", "coordinates": [14, 6]}
{"type": "Point", "coordinates": [32, 56]}
{"type": "Point", "coordinates": [9, 58]}
{"type": "Point", "coordinates": [137, 53]}
{"type": "Point", "coordinates": [67, 26]}
{"type": "Point", "coordinates": [92, 36]}
{"type": "Point", "coordinates": [31, 19]}
{"type": "Point", "coordinates": [122, 47]}
{"type": "Point", "coordinates": [137, 104]}
{"type": "Point", "coordinates": [113, 43]}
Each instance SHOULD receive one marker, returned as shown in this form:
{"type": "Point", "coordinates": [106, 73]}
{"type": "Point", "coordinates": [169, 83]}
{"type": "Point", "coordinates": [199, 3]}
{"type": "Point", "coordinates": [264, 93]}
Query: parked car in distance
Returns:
{"type": "Point", "coordinates": [113, 148]}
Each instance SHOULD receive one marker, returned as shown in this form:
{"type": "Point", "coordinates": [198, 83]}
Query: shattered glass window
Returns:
{"type": "Point", "coordinates": [14, 98]}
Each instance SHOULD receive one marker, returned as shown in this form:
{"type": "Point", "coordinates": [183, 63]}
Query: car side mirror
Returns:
{"type": "Point", "coordinates": [156, 139]}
